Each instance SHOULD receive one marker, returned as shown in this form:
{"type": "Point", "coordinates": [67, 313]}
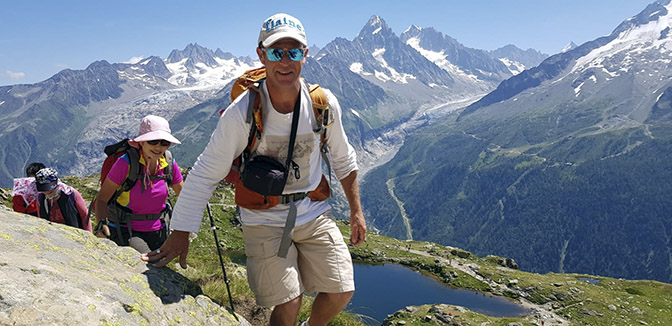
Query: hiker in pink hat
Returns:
{"type": "Point", "coordinates": [131, 203]}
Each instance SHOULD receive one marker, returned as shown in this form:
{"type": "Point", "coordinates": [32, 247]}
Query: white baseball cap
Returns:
{"type": "Point", "coordinates": [281, 26]}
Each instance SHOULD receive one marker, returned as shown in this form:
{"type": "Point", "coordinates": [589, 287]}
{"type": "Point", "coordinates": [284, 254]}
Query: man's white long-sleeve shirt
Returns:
{"type": "Point", "coordinates": [230, 139]}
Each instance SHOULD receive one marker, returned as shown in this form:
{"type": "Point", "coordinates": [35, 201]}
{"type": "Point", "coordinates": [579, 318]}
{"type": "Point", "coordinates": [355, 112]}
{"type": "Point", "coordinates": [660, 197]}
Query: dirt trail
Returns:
{"type": "Point", "coordinates": [407, 223]}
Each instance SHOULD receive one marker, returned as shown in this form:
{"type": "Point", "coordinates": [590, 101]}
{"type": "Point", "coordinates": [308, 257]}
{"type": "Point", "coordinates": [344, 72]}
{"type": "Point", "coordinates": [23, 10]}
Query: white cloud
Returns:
{"type": "Point", "coordinates": [134, 60]}
{"type": "Point", "coordinates": [16, 75]}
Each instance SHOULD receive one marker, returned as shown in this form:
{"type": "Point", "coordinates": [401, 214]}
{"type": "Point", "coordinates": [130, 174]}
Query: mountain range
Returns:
{"type": "Point", "coordinates": [380, 78]}
{"type": "Point", "coordinates": [563, 167]}
{"type": "Point", "coordinates": [559, 162]}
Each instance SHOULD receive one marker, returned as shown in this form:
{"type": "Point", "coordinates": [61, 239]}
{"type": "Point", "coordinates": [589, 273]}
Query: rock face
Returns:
{"type": "Point", "coordinates": [52, 274]}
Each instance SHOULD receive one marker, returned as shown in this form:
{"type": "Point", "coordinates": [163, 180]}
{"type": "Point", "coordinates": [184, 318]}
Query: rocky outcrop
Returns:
{"type": "Point", "coordinates": [52, 274]}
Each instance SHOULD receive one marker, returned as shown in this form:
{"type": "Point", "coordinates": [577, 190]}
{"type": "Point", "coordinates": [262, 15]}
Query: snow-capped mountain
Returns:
{"type": "Point", "coordinates": [380, 80]}
{"type": "Point", "coordinates": [516, 59]}
{"type": "Point", "coordinates": [468, 65]}
{"type": "Point", "coordinates": [631, 63]}
{"type": "Point", "coordinates": [379, 56]}
{"type": "Point", "coordinates": [423, 61]}
{"type": "Point", "coordinates": [198, 67]}
{"type": "Point", "coordinates": [569, 46]}
{"type": "Point", "coordinates": [565, 167]}
{"type": "Point", "coordinates": [67, 119]}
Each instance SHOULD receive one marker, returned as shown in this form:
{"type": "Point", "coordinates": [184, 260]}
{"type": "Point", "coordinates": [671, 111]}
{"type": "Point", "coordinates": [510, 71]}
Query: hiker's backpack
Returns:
{"type": "Point", "coordinates": [252, 80]}
{"type": "Point", "coordinates": [116, 150]}
{"type": "Point", "coordinates": [68, 206]}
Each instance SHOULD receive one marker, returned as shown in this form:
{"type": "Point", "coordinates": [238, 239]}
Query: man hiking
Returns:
{"type": "Point", "coordinates": [313, 257]}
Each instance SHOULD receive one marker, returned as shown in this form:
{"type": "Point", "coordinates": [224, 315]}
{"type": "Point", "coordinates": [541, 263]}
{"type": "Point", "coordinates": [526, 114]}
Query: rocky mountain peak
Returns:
{"type": "Point", "coordinates": [412, 30]}
{"type": "Point", "coordinates": [569, 46]}
{"type": "Point", "coordinates": [194, 52]}
{"type": "Point", "coordinates": [651, 13]}
{"type": "Point", "coordinates": [224, 55]}
{"type": "Point", "coordinates": [154, 66]}
{"type": "Point", "coordinates": [375, 27]}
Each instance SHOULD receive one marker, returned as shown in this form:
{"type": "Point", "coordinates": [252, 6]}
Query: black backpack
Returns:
{"type": "Point", "coordinates": [116, 150]}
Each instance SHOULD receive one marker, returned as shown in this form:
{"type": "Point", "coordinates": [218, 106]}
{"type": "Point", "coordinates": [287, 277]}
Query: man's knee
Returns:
{"type": "Point", "coordinates": [294, 304]}
{"type": "Point", "coordinates": [342, 297]}
{"type": "Point", "coordinates": [286, 313]}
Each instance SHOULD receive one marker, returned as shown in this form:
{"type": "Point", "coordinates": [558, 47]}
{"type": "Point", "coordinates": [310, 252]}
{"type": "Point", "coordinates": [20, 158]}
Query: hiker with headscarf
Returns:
{"type": "Point", "coordinates": [60, 203]}
{"type": "Point", "coordinates": [139, 217]}
{"type": "Point", "coordinates": [25, 196]}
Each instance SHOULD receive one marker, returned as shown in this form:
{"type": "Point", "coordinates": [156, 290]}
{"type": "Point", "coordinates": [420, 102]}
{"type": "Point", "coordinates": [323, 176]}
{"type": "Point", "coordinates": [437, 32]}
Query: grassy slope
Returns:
{"type": "Point", "coordinates": [609, 302]}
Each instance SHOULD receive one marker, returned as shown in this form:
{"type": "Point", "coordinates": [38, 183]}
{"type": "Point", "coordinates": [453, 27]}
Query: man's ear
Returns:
{"type": "Point", "coordinates": [261, 56]}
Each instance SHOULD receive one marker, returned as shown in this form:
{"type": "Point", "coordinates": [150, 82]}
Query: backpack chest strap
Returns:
{"type": "Point", "coordinates": [286, 199]}
{"type": "Point", "coordinates": [119, 214]}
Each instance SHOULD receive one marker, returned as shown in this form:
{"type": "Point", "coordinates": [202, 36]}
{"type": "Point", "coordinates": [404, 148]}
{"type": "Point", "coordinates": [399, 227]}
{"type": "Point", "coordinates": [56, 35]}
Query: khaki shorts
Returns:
{"type": "Point", "coordinates": [318, 261]}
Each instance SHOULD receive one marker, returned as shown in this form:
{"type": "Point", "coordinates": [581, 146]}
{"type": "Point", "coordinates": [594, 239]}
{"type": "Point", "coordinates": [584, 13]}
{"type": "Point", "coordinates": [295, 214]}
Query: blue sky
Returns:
{"type": "Point", "coordinates": [40, 38]}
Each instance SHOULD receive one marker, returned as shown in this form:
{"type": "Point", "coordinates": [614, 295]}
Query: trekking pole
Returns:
{"type": "Point", "coordinates": [221, 261]}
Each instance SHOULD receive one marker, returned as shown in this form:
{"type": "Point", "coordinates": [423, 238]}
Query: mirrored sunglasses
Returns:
{"type": "Point", "coordinates": [295, 54]}
{"type": "Point", "coordinates": [164, 143]}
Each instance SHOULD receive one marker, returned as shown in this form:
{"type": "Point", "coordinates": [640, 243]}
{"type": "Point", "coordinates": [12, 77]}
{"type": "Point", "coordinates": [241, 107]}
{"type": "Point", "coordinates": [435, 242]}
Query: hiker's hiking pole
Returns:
{"type": "Point", "coordinates": [221, 261]}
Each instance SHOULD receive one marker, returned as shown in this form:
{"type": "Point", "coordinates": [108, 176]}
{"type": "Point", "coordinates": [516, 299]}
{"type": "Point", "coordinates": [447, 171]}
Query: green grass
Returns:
{"type": "Point", "coordinates": [609, 302]}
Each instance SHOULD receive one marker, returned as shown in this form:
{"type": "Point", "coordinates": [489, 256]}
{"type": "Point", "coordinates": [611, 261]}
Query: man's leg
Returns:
{"type": "Point", "coordinates": [326, 268]}
{"type": "Point", "coordinates": [286, 313]}
{"type": "Point", "coordinates": [327, 306]}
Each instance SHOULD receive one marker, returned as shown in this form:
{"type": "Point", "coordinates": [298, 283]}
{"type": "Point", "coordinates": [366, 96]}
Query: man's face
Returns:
{"type": "Point", "coordinates": [283, 74]}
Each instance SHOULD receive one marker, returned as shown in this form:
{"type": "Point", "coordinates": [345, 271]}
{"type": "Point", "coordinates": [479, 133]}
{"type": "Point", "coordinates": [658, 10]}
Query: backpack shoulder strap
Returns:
{"type": "Point", "coordinates": [168, 170]}
{"type": "Point", "coordinates": [253, 117]}
{"type": "Point", "coordinates": [42, 203]}
{"type": "Point", "coordinates": [133, 169]}
{"type": "Point", "coordinates": [321, 111]}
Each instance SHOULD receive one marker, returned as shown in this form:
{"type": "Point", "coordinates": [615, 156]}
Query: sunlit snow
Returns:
{"type": "Point", "coordinates": [134, 60]}
{"type": "Point", "coordinates": [440, 59]}
{"type": "Point", "coordinates": [641, 39]}
{"type": "Point", "coordinates": [514, 67]}
{"type": "Point", "coordinates": [206, 77]}
{"type": "Point", "coordinates": [359, 69]}
{"type": "Point", "coordinates": [394, 75]}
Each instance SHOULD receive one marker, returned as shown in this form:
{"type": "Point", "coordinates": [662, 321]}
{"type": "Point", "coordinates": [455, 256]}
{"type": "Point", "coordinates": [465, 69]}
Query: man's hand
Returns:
{"type": "Point", "coordinates": [357, 222]}
{"type": "Point", "coordinates": [177, 244]}
{"type": "Point", "coordinates": [357, 228]}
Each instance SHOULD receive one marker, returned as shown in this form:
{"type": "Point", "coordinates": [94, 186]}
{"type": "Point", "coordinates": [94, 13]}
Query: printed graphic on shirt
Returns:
{"type": "Point", "coordinates": [277, 146]}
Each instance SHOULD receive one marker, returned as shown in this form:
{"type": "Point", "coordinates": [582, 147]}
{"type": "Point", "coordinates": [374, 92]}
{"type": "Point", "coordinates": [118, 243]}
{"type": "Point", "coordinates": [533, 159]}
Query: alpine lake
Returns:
{"type": "Point", "coordinates": [381, 290]}
{"type": "Point", "coordinates": [384, 289]}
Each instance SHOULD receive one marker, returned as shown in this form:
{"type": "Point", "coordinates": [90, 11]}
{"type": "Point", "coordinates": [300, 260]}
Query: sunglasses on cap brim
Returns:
{"type": "Point", "coordinates": [164, 143]}
{"type": "Point", "coordinates": [295, 54]}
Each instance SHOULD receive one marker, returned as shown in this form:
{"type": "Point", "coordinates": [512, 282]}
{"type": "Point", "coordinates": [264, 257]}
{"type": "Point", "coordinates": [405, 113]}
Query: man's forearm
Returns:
{"type": "Point", "coordinates": [351, 189]}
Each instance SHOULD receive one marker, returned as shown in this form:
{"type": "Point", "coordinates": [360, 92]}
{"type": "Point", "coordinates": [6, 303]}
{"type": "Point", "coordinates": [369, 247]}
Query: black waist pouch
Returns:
{"type": "Point", "coordinates": [264, 175]}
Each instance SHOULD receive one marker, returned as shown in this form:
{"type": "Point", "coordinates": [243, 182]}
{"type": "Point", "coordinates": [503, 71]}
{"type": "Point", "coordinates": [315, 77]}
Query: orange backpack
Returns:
{"type": "Point", "coordinates": [251, 80]}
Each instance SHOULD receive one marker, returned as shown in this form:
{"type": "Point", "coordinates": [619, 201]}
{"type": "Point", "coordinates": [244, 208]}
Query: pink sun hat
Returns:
{"type": "Point", "coordinates": [155, 128]}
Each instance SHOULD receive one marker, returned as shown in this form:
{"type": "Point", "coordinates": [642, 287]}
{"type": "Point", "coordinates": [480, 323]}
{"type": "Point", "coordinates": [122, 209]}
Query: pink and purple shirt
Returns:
{"type": "Point", "coordinates": [151, 199]}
